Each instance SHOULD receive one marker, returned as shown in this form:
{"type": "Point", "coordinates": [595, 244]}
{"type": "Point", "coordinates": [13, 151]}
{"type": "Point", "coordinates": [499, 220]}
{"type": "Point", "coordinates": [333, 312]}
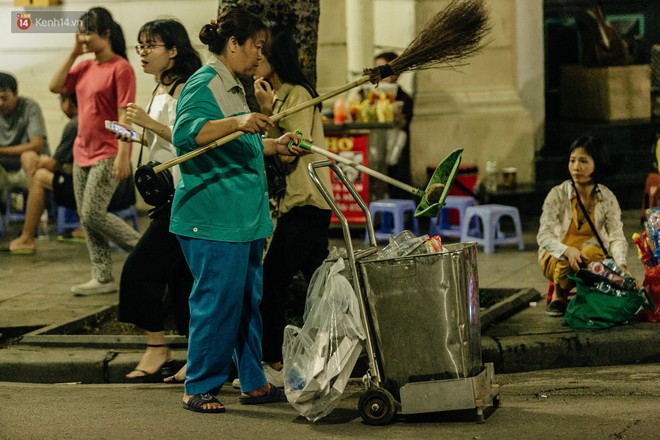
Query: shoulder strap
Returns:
{"type": "Point", "coordinates": [280, 103]}
{"type": "Point", "coordinates": [151, 101]}
{"type": "Point", "coordinates": [175, 85]}
{"type": "Point", "coordinates": [591, 224]}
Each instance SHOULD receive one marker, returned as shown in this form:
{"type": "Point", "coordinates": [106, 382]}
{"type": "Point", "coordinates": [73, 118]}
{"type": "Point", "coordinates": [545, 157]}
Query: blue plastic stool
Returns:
{"type": "Point", "coordinates": [392, 217]}
{"type": "Point", "coordinates": [441, 226]}
{"type": "Point", "coordinates": [491, 236]}
{"type": "Point", "coordinates": [10, 213]}
{"type": "Point", "coordinates": [129, 213]}
{"type": "Point", "coordinates": [67, 218]}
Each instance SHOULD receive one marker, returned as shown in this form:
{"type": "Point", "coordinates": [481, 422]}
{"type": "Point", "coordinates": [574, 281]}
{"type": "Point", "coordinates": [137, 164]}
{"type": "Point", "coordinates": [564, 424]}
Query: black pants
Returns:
{"type": "Point", "coordinates": [400, 172]}
{"type": "Point", "coordinates": [154, 268]}
{"type": "Point", "coordinates": [300, 243]}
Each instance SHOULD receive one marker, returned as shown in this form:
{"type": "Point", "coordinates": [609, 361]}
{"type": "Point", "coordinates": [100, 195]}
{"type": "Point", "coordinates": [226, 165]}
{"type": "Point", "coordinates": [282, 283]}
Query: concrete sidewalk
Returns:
{"type": "Point", "coordinates": [35, 299]}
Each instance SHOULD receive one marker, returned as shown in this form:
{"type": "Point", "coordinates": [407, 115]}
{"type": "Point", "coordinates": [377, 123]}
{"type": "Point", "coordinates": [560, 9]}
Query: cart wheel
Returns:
{"type": "Point", "coordinates": [377, 406]}
{"type": "Point", "coordinates": [497, 401]}
{"type": "Point", "coordinates": [479, 412]}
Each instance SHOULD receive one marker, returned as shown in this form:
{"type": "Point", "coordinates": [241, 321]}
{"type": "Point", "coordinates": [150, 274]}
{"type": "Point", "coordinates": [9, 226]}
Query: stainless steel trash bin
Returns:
{"type": "Point", "coordinates": [425, 314]}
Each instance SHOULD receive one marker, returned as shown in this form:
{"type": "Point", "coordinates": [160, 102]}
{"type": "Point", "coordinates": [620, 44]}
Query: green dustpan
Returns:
{"type": "Point", "coordinates": [443, 174]}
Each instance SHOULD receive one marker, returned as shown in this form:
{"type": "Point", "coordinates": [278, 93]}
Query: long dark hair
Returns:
{"type": "Point", "coordinates": [173, 35]}
{"type": "Point", "coordinates": [236, 22]}
{"type": "Point", "coordinates": [284, 60]}
{"type": "Point", "coordinates": [594, 147]}
{"type": "Point", "coordinates": [99, 20]}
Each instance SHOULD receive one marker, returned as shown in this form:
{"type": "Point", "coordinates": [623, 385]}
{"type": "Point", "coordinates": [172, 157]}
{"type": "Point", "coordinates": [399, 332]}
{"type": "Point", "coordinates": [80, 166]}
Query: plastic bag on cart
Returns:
{"type": "Point", "coordinates": [317, 282]}
{"type": "Point", "coordinates": [319, 357]}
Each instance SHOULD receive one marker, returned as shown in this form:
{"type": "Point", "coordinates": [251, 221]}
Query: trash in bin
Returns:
{"type": "Point", "coordinates": [406, 243]}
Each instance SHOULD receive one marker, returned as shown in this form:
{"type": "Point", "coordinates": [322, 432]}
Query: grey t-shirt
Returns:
{"type": "Point", "coordinates": [26, 121]}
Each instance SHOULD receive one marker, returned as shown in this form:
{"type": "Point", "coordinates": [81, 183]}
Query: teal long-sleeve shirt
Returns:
{"type": "Point", "coordinates": [223, 193]}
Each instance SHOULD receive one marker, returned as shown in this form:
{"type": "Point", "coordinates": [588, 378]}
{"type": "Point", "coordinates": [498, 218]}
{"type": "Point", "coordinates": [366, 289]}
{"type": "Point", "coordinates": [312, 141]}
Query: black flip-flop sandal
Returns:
{"type": "Point", "coordinates": [196, 402]}
{"type": "Point", "coordinates": [173, 380]}
{"type": "Point", "coordinates": [164, 370]}
{"type": "Point", "coordinates": [18, 251]}
{"type": "Point", "coordinates": [274, 395]}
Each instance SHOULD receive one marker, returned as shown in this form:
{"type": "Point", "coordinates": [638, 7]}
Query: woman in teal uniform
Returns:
{"type": "Point", "coordinates": [220, 214]}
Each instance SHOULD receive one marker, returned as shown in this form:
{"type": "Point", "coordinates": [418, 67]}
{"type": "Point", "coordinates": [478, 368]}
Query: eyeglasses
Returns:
{"type": "Point", "coordinates": [146, 47]}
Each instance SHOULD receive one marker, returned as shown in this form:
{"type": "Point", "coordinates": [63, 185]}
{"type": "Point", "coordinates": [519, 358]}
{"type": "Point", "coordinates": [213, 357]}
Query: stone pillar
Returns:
{"type": "Point", "coordinates": [481, 106]}
{"type": "Point", "coordinates": [359, 36]}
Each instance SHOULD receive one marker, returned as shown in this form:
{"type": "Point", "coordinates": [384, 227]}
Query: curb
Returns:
{"type": "Point", "coordinates": [71, 365]}
{"type": "Point", "coordinates": [618, 345]}
{"type": "Point", "coordinates": [47, 356]}
{"type": "Point", "coordinates": [113, 357]}
{"type": "Point", "coordinates": [53, 358]}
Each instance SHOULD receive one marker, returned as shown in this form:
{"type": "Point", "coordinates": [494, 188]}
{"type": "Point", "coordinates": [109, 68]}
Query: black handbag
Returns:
{"type": "Point", "coordinates": [157, 189]}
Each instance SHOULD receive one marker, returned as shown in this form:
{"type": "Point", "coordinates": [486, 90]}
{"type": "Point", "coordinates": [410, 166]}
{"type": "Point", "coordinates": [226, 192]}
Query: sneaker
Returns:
{"type": "Point", "coordinates": [273, 376]}
{"type": "Point", "coordinates": [556, 308]}
{"type": "Point", "coordinates": [93, 287]}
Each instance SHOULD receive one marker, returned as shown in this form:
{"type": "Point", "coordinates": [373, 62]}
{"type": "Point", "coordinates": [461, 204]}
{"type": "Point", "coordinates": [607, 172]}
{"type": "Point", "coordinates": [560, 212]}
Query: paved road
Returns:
{"type": "Point", "coordinates": [618, 402]}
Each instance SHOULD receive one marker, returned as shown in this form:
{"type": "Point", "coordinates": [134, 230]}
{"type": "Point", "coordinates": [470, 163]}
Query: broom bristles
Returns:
{"type": "Point", "coordinates": [455, 33]}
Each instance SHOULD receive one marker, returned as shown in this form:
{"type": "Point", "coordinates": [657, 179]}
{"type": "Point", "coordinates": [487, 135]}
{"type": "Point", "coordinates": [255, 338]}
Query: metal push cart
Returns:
{"type": "Point", "coordinates": [421, 313]}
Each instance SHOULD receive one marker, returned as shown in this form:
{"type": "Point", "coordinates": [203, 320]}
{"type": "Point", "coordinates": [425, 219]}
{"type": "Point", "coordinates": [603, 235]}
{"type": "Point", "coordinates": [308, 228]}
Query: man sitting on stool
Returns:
{"type": "Point", "coordinates": [22, 129]}
{"type": "Point", "coordinates": [49, 172]}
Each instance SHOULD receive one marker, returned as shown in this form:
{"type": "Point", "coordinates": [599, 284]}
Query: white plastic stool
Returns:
{"type": "Point", "coordinates": [490, 216]}
{"type": "Point", "coordinates": [392, 217]}
{"type": "Point", "coordinates": [441, 226]}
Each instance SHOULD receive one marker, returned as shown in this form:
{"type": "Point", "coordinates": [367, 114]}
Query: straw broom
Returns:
{"type": "Point", "coordinates": [455, 33]}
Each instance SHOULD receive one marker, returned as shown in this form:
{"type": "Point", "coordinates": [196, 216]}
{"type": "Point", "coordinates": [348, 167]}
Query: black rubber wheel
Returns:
{"type": "Point", "coordinates": [377, 406]}
{"type": "Point", "coordinates": [479, 413]}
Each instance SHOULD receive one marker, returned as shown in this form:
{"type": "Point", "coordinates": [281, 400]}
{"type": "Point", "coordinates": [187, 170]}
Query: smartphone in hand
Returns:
{"type": "Point", "coordinates": [121, 130]}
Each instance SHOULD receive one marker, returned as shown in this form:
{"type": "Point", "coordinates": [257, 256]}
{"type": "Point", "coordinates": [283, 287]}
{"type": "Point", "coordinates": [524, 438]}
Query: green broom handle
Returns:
{"type": "Point", "coordinates": [235, 135]}
{"type": "Point", "coordinates": [341, 159]}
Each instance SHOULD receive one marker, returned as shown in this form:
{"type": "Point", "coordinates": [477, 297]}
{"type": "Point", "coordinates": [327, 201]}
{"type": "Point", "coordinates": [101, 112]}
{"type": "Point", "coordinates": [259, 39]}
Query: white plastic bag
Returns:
{"type": "Point", "coordinates": [319, 357]}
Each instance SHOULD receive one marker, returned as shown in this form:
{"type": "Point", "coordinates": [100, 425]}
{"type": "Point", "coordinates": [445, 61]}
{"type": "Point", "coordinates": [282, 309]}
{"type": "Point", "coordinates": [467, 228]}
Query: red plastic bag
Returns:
{"type": "Point", "coordinates": [652, 285]}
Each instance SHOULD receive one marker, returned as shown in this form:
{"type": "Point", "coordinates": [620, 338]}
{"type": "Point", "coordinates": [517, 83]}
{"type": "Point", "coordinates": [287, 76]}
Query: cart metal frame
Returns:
{"type": "Point", "coordinates": [377, 405]}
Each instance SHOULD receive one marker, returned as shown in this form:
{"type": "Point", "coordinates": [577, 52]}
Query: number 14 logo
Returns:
{"type": "Point", "coordinates": [23, 21]}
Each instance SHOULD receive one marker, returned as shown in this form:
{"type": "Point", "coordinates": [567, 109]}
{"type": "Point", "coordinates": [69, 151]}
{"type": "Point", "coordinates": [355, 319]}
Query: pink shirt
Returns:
{"type": "Point", "coordinates": [101, 89]}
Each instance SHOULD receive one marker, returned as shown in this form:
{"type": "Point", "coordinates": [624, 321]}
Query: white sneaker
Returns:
{"type": "Point", "coordinates": [273, 376]}
{"type": "Point", "coordinates": [93, 287]}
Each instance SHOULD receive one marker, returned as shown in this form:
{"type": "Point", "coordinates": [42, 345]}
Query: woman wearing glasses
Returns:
{"type": "Point", "coordinates": [157, 265]}
{"type": "Point", "coordinates": [104, 86]}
